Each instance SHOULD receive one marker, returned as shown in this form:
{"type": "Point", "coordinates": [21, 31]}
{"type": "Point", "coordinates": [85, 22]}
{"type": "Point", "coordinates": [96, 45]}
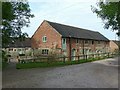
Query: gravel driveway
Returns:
{"type": "Point", "coordinates": [98, 74]}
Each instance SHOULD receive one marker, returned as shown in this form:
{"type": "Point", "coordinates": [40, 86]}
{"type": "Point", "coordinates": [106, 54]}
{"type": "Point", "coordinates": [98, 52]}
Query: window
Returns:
{"type": "Point", "coordinates": [45, 51]}
{"type": "Point", "coordinates": [26, 48]}
{"type": "Point", "coordinates": [64, 41]}
{"type": "Point", "coordinates": [77, 41]}
{"type": "Point", "coordinates": [19, 50]}
{"type": "Point", "coordinates": [92, 42]}
{"type": "Point", "coordinates": [44, 38]}
{"type": "Point", "coordinates": [98, 42]}
{"type": "Point", "coordinates": [86, 41]}
{"type": "Point", "coordinates": [10, 49]}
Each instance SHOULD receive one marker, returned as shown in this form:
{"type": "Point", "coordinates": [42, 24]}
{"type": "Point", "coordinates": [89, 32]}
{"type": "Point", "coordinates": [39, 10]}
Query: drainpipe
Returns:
{"type": "Point", "coordinates": [83, 50]}
{"type": "Point", "coordinates": [70, 47]}
{"type": "Point", "coordinates": [83, 47]}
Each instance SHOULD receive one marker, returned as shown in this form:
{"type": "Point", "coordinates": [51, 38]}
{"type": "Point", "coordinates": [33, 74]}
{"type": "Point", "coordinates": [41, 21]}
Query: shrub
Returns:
{"type": "Point", "coordinates": [4, 56]}
{"type": "Point", "coordinates": [4, 59]}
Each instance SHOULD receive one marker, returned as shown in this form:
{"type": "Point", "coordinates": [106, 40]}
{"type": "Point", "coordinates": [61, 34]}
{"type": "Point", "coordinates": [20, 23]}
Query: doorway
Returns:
{"type": "Point", "coordinates": [73, 54]}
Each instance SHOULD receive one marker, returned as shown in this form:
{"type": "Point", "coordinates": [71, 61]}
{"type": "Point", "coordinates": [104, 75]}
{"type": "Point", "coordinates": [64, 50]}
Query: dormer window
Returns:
{"type": "Point", "coordinates": [44, 38]}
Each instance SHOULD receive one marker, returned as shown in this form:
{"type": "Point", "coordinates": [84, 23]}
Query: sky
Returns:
{"type": "Point", "coordinates": [69, 12]}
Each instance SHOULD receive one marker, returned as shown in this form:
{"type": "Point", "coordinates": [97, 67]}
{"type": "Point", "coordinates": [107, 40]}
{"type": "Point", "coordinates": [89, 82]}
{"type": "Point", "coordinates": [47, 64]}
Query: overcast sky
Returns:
{"type": "Point", "coordinates": [69, 12]}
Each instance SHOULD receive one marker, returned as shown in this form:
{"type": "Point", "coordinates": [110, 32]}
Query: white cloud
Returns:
{"type": "Point", "coordinates": [75, 13]}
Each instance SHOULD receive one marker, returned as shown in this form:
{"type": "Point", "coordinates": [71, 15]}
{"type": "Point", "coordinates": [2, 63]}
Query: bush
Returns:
{"type": "Point", "coordinates": [4, 59]}
{"type": "Point", "coordinates": [4, 56]}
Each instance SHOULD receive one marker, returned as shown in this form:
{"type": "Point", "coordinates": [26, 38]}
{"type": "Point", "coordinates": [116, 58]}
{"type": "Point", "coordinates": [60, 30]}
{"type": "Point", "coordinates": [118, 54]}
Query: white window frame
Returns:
{"type": "Point", "coordinates": [44, 39]}
{"type": "Point", "coordinates": [45, 51]}
{"type": "Point", "coordinates": [64, 43]}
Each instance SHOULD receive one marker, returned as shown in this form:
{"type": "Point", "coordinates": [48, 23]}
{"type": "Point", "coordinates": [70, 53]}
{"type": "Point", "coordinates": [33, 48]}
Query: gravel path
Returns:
{"type": "Point", "coordinates": [98, 74]}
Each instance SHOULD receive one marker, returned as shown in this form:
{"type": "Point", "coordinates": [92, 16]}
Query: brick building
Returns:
{"type": "Point", "coordinates": [114, 46]}
{"type": "Point", "coordinates": [18, 47]}
{"type": "Point", "coordinates": [68, 40]}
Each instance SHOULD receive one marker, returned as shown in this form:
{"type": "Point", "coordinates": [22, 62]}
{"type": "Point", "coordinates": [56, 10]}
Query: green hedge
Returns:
{"type": "Point", "coordinates": [4, 59]}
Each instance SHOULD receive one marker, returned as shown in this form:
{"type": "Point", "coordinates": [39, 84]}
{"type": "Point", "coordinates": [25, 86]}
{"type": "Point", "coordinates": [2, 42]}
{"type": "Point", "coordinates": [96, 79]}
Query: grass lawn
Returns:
{"type": "Point", "coordinates": [53, 64]}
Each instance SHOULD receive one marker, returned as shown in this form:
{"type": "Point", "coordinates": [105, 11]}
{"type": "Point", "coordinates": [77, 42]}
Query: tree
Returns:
{"type": "Point", "coordinates": [109, 12]}
{"type": "Point", "coordinates": [15, 15]}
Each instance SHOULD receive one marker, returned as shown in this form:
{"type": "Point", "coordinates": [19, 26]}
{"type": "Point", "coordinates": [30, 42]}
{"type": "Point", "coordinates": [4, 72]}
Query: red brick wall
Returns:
{"type": "Point", "coordinates": [113, 46]}
{"type": "Point", "coordinates": [52, 37]}
{"type": "Point", "coordinates": [73, 45]}
{"type": "Point", "coordinates": [79, 46]}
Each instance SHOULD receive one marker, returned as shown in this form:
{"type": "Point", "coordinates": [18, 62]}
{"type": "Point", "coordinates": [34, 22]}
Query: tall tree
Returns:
{"type": "Point", "coordinates": [109, 12]}
{"type": "Point", "coordinates": [15, 15]}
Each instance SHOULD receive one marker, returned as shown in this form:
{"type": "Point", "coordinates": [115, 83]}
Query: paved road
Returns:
{"type": "Point", "coordinates": [98, 74]}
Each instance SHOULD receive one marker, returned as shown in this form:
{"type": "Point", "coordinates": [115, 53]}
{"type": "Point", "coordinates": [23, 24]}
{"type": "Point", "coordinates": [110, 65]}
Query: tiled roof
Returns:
{"type": "Point", "coordinates": [74, 32]}
{"type": "Point", "coordinates": [20, 44]}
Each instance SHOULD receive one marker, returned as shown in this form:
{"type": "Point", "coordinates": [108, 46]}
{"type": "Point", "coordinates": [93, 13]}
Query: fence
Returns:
{"type": "Point", "coordinates": [49, 59]}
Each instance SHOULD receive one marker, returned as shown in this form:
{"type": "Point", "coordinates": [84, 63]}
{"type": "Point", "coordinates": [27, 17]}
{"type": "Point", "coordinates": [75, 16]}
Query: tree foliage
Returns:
{"type": "Point", "coordinates": [15, 15]}
{"type": "Point", "coordinates": [109, 12]}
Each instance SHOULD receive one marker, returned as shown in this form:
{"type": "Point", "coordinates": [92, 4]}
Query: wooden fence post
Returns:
{"type": "Point", "coordinates": [92, 56]}
{"type": "Point", "coordinates": [48, 60]}
{"type": "Point", "coordinates": [108, 55]}
{"type": "Point", "coordinates": [78, 58]}
{"type": "Point", "coordinates": [98, 55]}
{"type": "Point", "coordinates": [86, 57]}
{"type": "Point", "coordinates": [64, 59]}
{"type": "Point", "coordinates": [83, 56]}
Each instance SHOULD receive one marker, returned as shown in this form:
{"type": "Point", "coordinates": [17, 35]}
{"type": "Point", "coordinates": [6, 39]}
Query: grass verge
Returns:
{"type": "Point", "coordinates": [54, 64]}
